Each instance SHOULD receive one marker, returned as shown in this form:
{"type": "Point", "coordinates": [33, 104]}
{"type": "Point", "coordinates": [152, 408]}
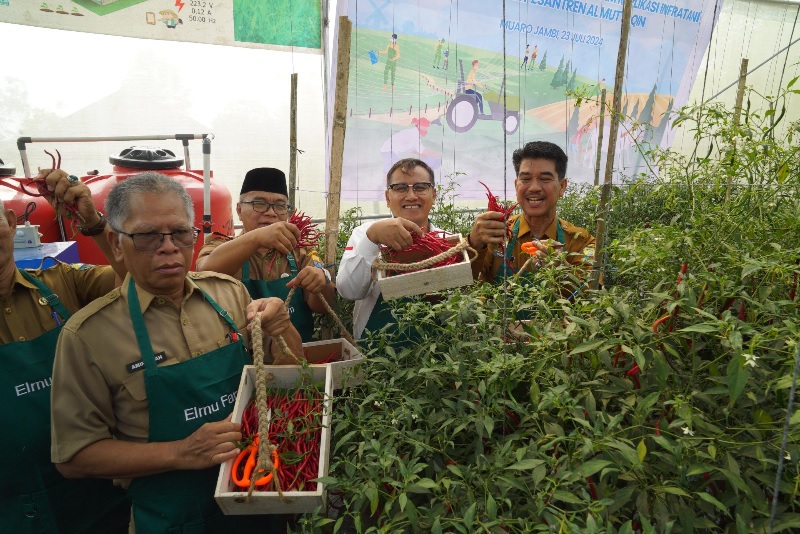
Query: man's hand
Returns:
{"type": "Point", "coordinates": [209, 445]}
{"type": "Point", "coordinates": [280, 236]}
{"type": "Point", "coordinates": [68, 193]}
{"type": "Point", "coordinates": [394, 233]}
{"type": "Point", "coordinates": [274, 315]}
{"type": "Point", "coordinates": [489, 227]}
{"type": "Point", "coordinates": [310, 279]}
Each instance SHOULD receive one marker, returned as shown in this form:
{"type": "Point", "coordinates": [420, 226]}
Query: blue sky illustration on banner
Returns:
{"type": "Point", "coordinates": [432, 79]}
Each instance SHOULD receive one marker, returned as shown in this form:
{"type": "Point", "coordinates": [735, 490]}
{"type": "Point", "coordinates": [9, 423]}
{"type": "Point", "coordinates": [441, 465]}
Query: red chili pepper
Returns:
{"type": "Point", "coordinates": [592, 489]}
{"type": "Point", "coordinates": [742, 311]}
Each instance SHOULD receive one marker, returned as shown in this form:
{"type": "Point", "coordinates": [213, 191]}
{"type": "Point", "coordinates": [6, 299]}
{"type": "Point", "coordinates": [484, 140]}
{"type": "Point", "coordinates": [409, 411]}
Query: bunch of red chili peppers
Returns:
{"type": "Point", "coordinates": [309, 233]}
{"type": "Point", "coordinates": [496, 206]}
{"type": "Point", "coordinates": [429, 245]}
{"type": "Point", "coordinates": [42, 191]}
{"type": "Point", "coordinates": [296, 430]}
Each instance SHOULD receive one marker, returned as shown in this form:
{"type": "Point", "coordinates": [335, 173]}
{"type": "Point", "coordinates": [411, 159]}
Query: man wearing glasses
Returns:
{"type": "Point", "coordinates": [145, 378]}
{"type": "Point", "coordinates": [265, 256]}
{"type": "Point", "coordinates": [410, 192]}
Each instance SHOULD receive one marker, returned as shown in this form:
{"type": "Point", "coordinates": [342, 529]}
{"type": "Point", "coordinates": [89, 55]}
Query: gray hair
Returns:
{"type": "Point", "coordinates": [118, 199]}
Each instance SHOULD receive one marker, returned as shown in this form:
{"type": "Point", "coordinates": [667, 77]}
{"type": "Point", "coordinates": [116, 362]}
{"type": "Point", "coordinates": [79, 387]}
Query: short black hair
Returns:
{"type": "Point", "coordinates": [542, 150]}
{"type": "Point", "coordinates": [406, 166]}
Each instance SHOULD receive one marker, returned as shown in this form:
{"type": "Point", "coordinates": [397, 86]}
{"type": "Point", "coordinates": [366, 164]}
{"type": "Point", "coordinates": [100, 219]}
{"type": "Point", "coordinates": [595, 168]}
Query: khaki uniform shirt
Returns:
{"type": "Point", "coordinates": [579, 247]}
{"type": "Point", "coordinates": [94, 395]}
{"type": "Point", "coordinates": [261, 266]}
{"type": "Point", "coordinates": [25, 318]}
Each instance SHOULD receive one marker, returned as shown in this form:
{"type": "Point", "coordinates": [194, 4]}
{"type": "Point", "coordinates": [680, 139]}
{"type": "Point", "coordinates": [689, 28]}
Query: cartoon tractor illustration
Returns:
{"type": "Point", "coordinates": [463, 112]}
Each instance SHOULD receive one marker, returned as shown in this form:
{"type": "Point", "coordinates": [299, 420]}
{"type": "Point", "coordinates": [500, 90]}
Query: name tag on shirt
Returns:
{"type": "Point", "coordinates": [138, 365]}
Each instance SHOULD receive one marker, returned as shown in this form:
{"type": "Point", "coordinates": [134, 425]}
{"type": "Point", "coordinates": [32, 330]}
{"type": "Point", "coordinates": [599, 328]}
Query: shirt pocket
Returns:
{"type": "Point", "coordinates": [134, 387]}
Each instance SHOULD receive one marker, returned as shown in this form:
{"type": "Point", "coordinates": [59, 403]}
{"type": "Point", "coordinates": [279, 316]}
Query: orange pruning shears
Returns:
{"type": "Point", "coordinates": [241, 477]}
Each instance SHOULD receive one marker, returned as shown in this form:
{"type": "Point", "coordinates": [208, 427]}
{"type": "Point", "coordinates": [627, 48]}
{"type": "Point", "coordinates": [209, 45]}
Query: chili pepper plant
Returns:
{"type": "Point", "coordinates": [655, 404]}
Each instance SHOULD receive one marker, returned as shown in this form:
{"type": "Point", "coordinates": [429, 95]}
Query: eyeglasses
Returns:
{"type": "Point", "coordinates": [150, 241]}
{"type": "Point", "coordinates": [259, 206]}
{"type": "Point", "coordinates": [419, 188]}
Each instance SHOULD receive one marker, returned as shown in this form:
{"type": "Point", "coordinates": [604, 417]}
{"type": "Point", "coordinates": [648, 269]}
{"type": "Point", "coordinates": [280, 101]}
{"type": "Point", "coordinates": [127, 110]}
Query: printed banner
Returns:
{"type": "Point", "coordinates": [275, 24]}
{"type": "Point", "coordinates": [460, 84]}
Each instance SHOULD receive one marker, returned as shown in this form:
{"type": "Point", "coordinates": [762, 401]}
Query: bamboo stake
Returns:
{"type": "Point", "coordinates": [337, 140]}
{"type": "Point", "coordinates": [600, 137]}
{"type": "Point", "coordinates": [602, 209]}
{"type": "Point", "coordinates": [737, 112]}
{"type": "Point", "coordinates": [293, 141]}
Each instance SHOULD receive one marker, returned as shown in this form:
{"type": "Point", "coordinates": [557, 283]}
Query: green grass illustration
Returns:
{"type": "Point", "coordinates": [278, 22]}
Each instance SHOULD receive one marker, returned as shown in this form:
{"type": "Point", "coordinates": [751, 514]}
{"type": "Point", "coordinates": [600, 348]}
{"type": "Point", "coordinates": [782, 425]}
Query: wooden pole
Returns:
{"type": "Point", "coordinates": [293, 141]}
{"type": "Point", "coordinates": [602, 209]}
{"type": "Point", "coordinates": [337, 140]}
{"type": "Point", "coordinates": [600, 137]}
{"type": "Point", "coordinates": [737, 111]}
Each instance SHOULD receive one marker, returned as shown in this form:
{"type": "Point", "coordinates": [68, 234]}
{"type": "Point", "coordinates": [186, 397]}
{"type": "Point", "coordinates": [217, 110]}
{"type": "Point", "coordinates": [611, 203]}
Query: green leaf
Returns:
{"type": "Point", "coordinates": [711, 499]}
{"type": "Point", "coordinates": [749, 269]}
{"type": "Point", "coordinates": [701, 328]}
{"type": "Point", "coordinates": [469, 515]}
{"type": "Point", "coordinates": [371, 493]}
{"type": "Point", "coordinates": [670, 489]}
{"type": "Point", "coordinates": [436, 528]}
{"type": "Point", "coordinates": [737, 377]}
{"type": "Point", "coordinates": [526, 464]}
{"type": "Point", "coordinates": [591, 467]}
{"type": "Point", "coordinates": [587, 346]}
{"type": "Point", "coordinates": [641, 449]}
{"type": "Point", "coordinates": [565, 496]}
{"type": "Point", "coordinates": [402, 499]}
{"type": "Point", "coordinates": [491, 508]}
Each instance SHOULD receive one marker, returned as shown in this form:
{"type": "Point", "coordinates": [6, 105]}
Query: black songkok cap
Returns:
{"type": "Point", "coordinates": [265, 179]}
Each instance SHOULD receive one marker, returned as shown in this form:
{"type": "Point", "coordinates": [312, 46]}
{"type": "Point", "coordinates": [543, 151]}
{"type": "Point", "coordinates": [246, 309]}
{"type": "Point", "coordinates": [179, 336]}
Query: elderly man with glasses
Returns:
{"type": "Point", "coordinates": [410, 193]}
{"type": "Point", "coordinates": [145, 378]}
{"type": "Point", "coordinates": [265, 256]}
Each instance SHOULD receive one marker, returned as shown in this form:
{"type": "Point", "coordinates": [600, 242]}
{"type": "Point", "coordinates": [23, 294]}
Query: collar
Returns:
{"type": "Point", "coordinates": [551, 232]}
{"type": "Point", "coordinates": [146, 298]}
{"type": "Point", "coordinates": [21, 280]}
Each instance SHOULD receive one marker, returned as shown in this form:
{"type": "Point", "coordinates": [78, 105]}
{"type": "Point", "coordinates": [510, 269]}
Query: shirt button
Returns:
{"type": "Point", "coordinates": [8, 311]}
{"type": "Point", "coordinates": [185, 321]}
{"type": "Point", "coordinates": [198, 353]}
{"type": "Point", "coordinates": [160, 301]}
{"type": "Point", "coordinates": [22, 338]}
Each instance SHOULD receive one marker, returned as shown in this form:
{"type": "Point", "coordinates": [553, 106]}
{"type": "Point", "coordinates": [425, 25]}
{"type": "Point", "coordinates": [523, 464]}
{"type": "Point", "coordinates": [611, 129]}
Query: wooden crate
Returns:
{"type": "Point", "coordinates": [234, 502]}
{"type": "Point", "coordinates": [344, 370]}
{"type": "Point", "coordinates": [426, 280]}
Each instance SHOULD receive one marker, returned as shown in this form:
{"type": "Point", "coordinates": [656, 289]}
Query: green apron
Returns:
{"type": "Point", "coordinates": [34, 497]}
{"type": "Point", "coordinates": [299, 312]}
{"type": "Point", "coordinates": [181, 398]}
{"type": "Point", "coordinates": [507, 268]}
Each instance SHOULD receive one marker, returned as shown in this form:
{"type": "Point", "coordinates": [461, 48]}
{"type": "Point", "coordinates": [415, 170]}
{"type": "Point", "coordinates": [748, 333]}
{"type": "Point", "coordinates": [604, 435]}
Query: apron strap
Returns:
{"type": "Point", "coordinates": [139, 328]}
{"type": "Point", "coordinates": [223, 313]}
{"type": "Point", "coordinates": [246, 271]}
{"type": "Point", "coordinates": [50, 297]}
{"type": "Point", "coordinates": [292, 264]}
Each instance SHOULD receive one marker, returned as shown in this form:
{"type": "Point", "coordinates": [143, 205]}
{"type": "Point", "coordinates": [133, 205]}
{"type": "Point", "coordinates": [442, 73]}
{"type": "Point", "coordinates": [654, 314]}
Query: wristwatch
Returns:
{"type": "Point", "coordinates": [325, 271]}
{"type": "Point", "coordinates": [96, 229]}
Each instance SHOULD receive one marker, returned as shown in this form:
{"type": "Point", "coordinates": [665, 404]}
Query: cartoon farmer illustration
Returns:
{"type": "Point", "coordinates": [472, 83]}
{"type": "Point", "coordinates": [527, 53]}
{"type": "Point", "coordinates": [392, 52]}
{"type": "Point", "coordinates": [437, 55]}
{"type": "Point", "coordinates": [533, 55]}
{"type": "Point", "coordinates": [170, 18]}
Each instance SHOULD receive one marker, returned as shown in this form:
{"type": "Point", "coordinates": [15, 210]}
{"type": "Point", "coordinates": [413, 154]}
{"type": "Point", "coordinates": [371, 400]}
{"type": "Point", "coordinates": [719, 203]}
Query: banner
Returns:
{"type": "Point", "coordinates": [460, 84]}
{"type": "Point", "coordinates": [274, 24]}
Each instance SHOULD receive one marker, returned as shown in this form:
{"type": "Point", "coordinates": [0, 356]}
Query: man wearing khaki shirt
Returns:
{"type": "Point", "coordinates": [145, 378]}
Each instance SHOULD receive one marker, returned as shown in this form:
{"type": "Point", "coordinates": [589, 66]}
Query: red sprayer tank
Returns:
{"type": "Point", "coordinates": [134, 160]}
{"type": "Point", "coordinates": [14, 191]}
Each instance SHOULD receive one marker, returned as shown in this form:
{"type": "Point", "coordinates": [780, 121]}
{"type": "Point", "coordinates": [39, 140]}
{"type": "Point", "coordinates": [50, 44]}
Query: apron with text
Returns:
{"type": "Point", "coordinates": [181, 398]}
{"type": "Point", "coordinates": [34, 497]}
{"type": "Point", "coordinates": [299, 312]}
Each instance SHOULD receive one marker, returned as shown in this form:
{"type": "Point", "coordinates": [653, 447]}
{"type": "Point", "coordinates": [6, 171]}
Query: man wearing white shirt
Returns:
{"type": "Point", "coordinates": [410, 194]}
